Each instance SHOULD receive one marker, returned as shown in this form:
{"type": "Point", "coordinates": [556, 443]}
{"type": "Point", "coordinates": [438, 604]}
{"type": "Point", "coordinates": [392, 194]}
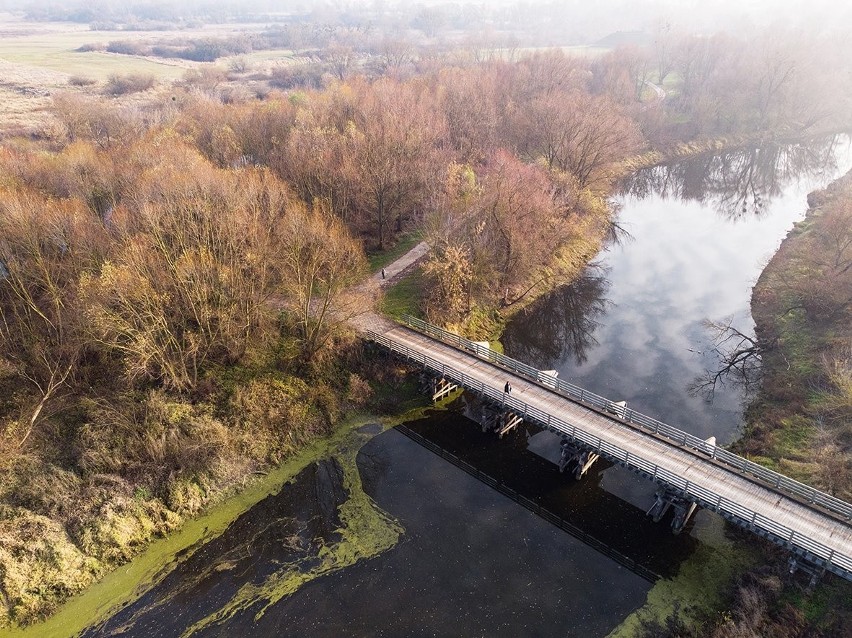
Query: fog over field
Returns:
{"type": "Point", "coordinates": [578, 20]}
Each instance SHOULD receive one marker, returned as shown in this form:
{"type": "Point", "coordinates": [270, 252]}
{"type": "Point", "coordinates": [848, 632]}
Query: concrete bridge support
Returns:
{"type": "Point", "coordinates": [577, 458]}
{"type": "Point", "coordinates": [498, 419]}
{"type": "Point", "coordinates": [441, 388]}
{"type": "Point", "coordinates": [683, 508]}
{"type": "Point", "coordinates": [799, 564]}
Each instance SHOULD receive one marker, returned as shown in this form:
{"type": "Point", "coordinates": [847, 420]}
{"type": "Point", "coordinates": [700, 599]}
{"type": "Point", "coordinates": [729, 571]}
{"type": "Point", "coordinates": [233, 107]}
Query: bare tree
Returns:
{"type": "Point", "coordinates": [341, 59]}
{"type": "Point", "coordinates": [190, 278]}
{"type": "Point", "coordinates": [664, 46]}
{"type": "Point", "coordinates": [738, 355]}
{"type": "Point", "coordinates": [581, 134]}
{"type": "Point", "coordinates": [393, 154]}
{"type": "Point", "coordinates": [44, 247]}
{"type": "Point", "coordinates": [319, 263]}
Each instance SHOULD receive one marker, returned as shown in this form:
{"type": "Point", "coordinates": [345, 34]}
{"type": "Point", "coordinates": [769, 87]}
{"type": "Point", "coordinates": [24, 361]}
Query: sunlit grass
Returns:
{"type": "Point", "coordinates": [404, 297]}
{"type": "Point", "coordinates": [57, 52]}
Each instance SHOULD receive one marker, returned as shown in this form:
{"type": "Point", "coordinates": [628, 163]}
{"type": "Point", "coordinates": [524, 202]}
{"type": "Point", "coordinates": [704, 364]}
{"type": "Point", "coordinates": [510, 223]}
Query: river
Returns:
{"type": "Point", "coordinates": [450, 555]}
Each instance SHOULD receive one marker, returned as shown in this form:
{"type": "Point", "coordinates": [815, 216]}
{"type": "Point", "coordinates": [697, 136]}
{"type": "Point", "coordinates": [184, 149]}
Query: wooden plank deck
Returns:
{"type": "Point", "coordinates": [811, 523]}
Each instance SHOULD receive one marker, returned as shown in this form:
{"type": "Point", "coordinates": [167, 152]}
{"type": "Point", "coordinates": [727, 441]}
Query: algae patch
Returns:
{"type": "Point", "coordinates": [125, 584]}
{"type": "Point", "coordinates": [365, 531]}
{"type": "Point", "coordinates": [697, 590]}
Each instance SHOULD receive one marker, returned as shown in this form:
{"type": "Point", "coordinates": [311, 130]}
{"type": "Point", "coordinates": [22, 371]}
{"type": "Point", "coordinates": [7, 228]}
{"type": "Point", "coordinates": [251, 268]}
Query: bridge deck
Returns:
{"type": "Point", "coordinates": [699, 470]}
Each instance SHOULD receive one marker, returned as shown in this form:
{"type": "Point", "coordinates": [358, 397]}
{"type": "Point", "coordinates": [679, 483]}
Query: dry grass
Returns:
{"type": "Point", "coordinates": [38, 59]}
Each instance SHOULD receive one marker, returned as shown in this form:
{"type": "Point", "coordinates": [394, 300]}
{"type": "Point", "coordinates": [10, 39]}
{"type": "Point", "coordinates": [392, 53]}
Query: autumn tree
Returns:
{"type": "Point", "coordinates": [581, 134]}
{"type": "Point", "coordinates": [45, 246]}
{"type": "Point", "coordinates": [623, 75]}
{"type": "Point", "coordinates": [450, 273]}
{"type": "Point", "coordinates": [318, 162]}
{"type": "Point", "coordinates": [190, 280]}
{"type": "Point", "coordinates": [495, 232]}
{"type": "Point", "coordinates": [341, 59]}
{"type": "Point", "coordinates": [319, 263]}
{"type": "Point", "coordinates": [547, 73]}
{"type": "Point", "coordinates": [393, 155]}
{"type": "Point", "coordinates": [104, 124]}
{"type": "Point", "coordinates": [663, 50]}
{"type": "Point", "coordinates": [470, 105]}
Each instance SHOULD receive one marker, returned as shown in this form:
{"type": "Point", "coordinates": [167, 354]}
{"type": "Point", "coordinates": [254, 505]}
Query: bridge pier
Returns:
{"type": "Point", "coordinates": [799, 564]}
{"type": "Point", "coordinates": [683, 508]}
{"type": "Point", "coordinates": [579, 458]}
{"type": "Point", "coordinates": [498, 419]}
{"type": "Point", "coordinates": [510, 422]}
{"type": "Point", "coordinates": [441, 388]}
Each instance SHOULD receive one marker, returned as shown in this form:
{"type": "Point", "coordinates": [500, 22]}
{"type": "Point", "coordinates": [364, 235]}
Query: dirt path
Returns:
{"type": "Point", "coordinates": [391, 273]}
{"type": "Point", "coordinates": [388, 276]}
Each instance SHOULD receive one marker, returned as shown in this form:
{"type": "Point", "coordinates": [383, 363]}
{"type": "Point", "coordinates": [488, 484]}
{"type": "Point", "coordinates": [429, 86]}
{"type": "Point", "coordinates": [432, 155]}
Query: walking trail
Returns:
{"type": "Point", "coordinates": [371, 288]}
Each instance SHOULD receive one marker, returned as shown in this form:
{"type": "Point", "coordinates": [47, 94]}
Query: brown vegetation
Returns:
{"type": "Point", "coordinates": [145, 256]}
{"type": "Point", "coordinates": [130, 288]}
{"type": "Point", "coordinates": [174, 274]}
{"type": "Point", "coordinates": [126, 84]}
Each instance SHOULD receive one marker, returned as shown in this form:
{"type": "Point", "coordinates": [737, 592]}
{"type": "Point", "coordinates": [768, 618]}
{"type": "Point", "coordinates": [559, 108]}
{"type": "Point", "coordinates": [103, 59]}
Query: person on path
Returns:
{"type": "Point", "coordinates": [383, 273]}
{"type": "Point", "coordinates": [508, 388]}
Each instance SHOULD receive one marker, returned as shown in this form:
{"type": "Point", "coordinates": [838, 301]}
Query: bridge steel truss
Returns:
{"type": "Point", "coordinates": [801, 545]}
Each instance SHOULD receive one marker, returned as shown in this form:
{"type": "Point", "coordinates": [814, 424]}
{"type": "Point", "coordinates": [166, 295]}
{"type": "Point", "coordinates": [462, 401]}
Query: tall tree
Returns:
{"type": "Point", "coordinates": [584, 135]}
{"type": "Point", "coordinates": [45, 245]}
{"type": "Point", "coordinates": [394, 154]}
{"type": "Point", "coordinates": [190, 279]}
{"type": "Point", "coordinates": [319, 263]}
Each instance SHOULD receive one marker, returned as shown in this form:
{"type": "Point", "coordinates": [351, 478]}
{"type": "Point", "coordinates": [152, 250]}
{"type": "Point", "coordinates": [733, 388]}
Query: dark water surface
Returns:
{"type": "Point", "coordinates": [471, 561]}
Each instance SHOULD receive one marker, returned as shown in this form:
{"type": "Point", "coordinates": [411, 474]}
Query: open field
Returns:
{"type": "Point", "coordinates": [55, 50]}
{"type": "Point", "coordinates": [37, 59]}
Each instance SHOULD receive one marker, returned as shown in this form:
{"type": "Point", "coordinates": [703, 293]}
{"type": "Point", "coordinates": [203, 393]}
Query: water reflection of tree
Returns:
{"type": "Point", "coordinates": [562, 323]}
{"type": "Point", "coordinates": [737, 183]}
{"type": "Point", "coordinates": [736, 360]}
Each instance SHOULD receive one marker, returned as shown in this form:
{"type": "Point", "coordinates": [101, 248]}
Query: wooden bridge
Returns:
{"type": "Point", "coordinates": [815, 527]}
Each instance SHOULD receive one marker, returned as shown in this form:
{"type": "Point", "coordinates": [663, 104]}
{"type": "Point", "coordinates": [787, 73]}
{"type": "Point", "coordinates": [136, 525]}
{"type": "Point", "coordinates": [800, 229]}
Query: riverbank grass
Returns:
{"type": "Point", "coordinates": [404, 297]}
{"type": "Point", "coordinates": [698, 591]}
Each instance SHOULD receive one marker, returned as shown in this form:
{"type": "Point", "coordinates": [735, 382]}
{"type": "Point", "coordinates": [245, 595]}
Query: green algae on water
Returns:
{"type": "Point", "coordinates": [697, 590]}
{"type": "Point", "coordinates": [365, 531]}
{"type": "Point", "coordinates": [128, 582]}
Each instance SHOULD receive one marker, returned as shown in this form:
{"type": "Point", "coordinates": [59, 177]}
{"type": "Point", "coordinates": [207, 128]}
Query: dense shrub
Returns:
{"type": "Point", "coordinates": [81, 80]}
{"type": "Point", "coordinates": [126, 47]}
{"type": "Point", "coordinates": [127, 84]}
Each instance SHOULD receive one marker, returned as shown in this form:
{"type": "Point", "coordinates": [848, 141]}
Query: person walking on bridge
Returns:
{"type": "Point", "coordinates": [508, 388]}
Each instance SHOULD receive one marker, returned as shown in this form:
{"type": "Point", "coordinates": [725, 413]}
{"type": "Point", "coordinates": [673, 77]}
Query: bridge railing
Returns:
{"type": "Point", "coordinates": [834, 561]}
{"type": "Point", "coordinates": [774, 479]}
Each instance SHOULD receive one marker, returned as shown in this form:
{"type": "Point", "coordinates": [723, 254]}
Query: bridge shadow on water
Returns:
{"type": "Point", "coordinates": [606, 509]}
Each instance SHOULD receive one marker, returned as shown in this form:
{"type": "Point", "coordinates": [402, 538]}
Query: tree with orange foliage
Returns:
{"type": "Point", "coordinates": [394, 155]}
{"type": "Point", "coordinates": [45, 245]}
{"type": "Point", "coordinates": [493, 232]}
{"type": "Point", "coordinates": [190, 278]}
